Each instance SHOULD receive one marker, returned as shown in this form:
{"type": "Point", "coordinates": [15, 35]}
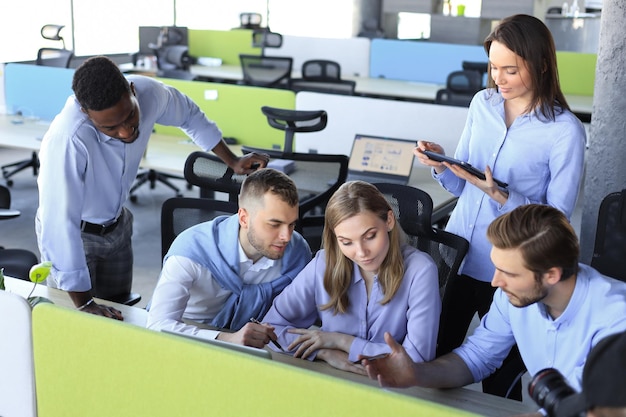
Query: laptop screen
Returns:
{"type": "Point", "coordinates": [381, 158]}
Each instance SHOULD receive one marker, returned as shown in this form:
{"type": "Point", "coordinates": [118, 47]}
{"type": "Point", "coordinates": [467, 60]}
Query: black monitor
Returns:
{"type": "Point", "coordinates": [149, 36]}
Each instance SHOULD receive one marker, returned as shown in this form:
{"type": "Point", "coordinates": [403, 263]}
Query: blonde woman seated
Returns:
{"type": "Point", "coordinates": [375, 284]}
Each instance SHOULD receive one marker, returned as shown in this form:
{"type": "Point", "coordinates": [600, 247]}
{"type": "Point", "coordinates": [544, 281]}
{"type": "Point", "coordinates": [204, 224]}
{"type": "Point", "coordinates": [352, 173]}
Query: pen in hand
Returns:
{"type": "Point", "coordinates": [253, 320]}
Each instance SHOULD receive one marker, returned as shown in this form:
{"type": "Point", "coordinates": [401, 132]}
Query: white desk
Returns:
{"type": "Point", "coordinates": [133, 315]}
{"type": "Point", "coordinates": [21, 133]}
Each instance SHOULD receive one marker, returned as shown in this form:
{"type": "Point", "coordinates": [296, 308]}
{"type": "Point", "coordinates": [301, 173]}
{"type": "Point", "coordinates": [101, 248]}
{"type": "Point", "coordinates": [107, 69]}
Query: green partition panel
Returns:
{"type": "Point", "coordinates": [237, 110]}
{"type": "Point", "coordinates": [224, 44]}
{"type": "Point", "coordinates": [577, 72]}
{"type": "Point", "coordinates": [86, 364]}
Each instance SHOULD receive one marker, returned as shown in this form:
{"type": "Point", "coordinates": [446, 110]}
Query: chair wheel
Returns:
{"type": "Point", "coordinates": [189, 186]}
{"type": "Point", "coordinates": [179, 195]}
{"type": "Point", "coordinates": [133, 198]}
{"type": "Point", "coordinates": [9, 183]}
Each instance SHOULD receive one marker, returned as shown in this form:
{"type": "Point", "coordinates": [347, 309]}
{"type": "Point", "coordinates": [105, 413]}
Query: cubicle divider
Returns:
{"type": "Point", "coordinates": [36, 91]}
{"type": "Point", "coordinates": [577, 72]}
{"type": "Point", "coordinates": [223, 44]}
{"type": "Point", "coordinates": [89, 363]}
{"type": "Point", "coordinates": [352, 54]}
{"type": "Point", "coordinates": [349, 115]}
{"type": "Point", "coordinates": [17, 377]}
{"type": "Point", "coordinates": [428, 62]}
{"type": "Point", "coordinates": [236, 109]}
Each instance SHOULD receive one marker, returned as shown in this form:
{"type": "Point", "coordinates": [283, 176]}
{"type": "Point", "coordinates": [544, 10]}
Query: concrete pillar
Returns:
{"type": "Point", "coordinates": [606, 157]}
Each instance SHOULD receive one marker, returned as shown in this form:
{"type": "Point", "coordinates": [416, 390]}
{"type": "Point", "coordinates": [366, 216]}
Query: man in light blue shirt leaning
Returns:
{"type": "Point", "coordinates": [554, 308]}
{"type": "Point", "coordinates": [90, 157]}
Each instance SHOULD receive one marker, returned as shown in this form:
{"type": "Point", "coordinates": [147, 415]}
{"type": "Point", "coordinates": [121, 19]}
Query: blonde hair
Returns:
{"type": "Point", "coordinates": [350, 199]}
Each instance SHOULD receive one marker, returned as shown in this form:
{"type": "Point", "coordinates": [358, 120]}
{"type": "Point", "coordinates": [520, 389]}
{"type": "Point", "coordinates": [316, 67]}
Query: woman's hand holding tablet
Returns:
{"type": "Point", "coordinates": [467, 167]}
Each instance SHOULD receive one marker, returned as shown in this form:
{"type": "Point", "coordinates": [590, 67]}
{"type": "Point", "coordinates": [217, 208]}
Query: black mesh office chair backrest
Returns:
{"type": "Point", "coordinates": [292, 121]}
{"type": "Point", "coordinates": [321, 69]}
{"type": "Point", "coordinates": [266, 71]}
{"type": "Point", "coordinates": [180, 213]}
{"type": "Point", "coordinates": [413, 209]}
{"type": "Point", "coordinates": [461, 86]}
{"type": "Point", "coordinates": [54, 57]}
{"type": "Point", "coordinates": [322, 76]}
{"type": "Point", "coordinates": [250, 20]}
{"type": "Point", "coordinates": [209, 173]}
{"type": "Point", "coordinates": [609, 251]}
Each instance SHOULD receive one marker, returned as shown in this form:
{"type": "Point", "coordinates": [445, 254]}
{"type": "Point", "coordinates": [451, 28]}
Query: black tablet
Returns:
{"type": "Point", "coordinates": [467, 167]}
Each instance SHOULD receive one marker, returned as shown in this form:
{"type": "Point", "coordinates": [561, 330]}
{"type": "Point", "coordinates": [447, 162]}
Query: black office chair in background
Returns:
{"type": "Point", "coordinates": [173, 61]}
{"type": "Point", "coordinates": [15, 262]}
{"type": "Point", "coordinates": [324, 76]}
{"type": "Point", "coordinates": [609, 250]}
{"type": "Point", "coordinates": [460, 88]}
{"type": "Point", "coordinates": [211, 175]}
{"type": "Point", "coordinates": [180, 213]}
{"type": "Point", "coordinates": [413, 209]}
{"type": "Point", "coordinates": [317, 176]}
{"type": "Point", "coordinates": [266, 71]}
{"type": "Point", "coordinates": [262, 70]}
{"type": "Point", "coordinates": [250, 20]}
{"type": "Point", "coordinates": [480, 67]}
{"type": "Point", "coordinates": [52, 57]}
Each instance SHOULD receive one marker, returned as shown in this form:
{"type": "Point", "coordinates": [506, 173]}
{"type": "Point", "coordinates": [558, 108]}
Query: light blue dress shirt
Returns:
{"type": "Point", "coordinates": [542, 161]}
{"type": "Point", "coordinates": [411, 316]}
{"type": "Point", "coordinates": [596, 309]}
{"type": "Point", "coordinates": [86, 175]}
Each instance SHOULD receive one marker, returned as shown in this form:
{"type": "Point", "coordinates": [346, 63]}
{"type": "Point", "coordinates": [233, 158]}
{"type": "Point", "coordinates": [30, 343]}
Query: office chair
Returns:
{"type": "Point", "coordinates": [609, 250]}
{"type": "Point", "coordinates": [481, 67]}
{"type": "Point", "coordinates": [210, 174]}
{"type": "Point", "coordinates": [413, 210]}
{"type": "Point", "coordinates": [180, 213]}
{"type": "Point", "coordinates": [15, 262]}
{"type": "Point", "coordinates": [317, 176]}
{"type": "Point", "coordinates": [265, 38]}
{"type": "Point", "coordinates": [322, 76]}
{"type": "Point", "coordinates": [52, 57]}
{"type": "Point", "coordinates": [250, 20]}
{"type": "Point", "coordinates": [292, 121]}
{"type": "Point", "coordinates": [266, 71]}
{"type": "Point", "coordinates": [460, 88]}
{"type": "Point", "coordinates": [173, 61]}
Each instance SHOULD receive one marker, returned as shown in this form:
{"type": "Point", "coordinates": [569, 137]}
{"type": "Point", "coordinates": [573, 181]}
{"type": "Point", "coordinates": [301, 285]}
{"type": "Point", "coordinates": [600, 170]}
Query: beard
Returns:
{"type": "Point", "coordinates": [538, 293]}
{"type": "Point", "coordinates": [261, 247]}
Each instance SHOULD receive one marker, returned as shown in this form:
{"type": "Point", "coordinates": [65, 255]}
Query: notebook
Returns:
{"type": "Point", "coordinates": [381, 159]}
{"type": "Point", "coordinates": [260, 353]}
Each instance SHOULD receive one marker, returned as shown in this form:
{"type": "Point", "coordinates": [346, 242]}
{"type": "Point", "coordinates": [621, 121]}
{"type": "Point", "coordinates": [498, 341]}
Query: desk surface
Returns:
{"type": "Point", "coordinates": [132, 315]}
{"type": "Point", "coordinates": [462, 398]}
{"type": "Point", "coordinates": [21, 132]}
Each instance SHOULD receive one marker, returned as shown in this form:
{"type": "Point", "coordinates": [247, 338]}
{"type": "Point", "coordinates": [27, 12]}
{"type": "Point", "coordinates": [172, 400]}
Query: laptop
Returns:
{"type": "Point", "coordinates": [259, 353]}
{"type": "Point", "coordinates": [381, 159]}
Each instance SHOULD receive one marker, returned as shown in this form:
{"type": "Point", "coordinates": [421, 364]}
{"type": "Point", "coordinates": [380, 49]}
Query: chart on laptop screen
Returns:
{"type": "Point", "coordinates": [381, 159]}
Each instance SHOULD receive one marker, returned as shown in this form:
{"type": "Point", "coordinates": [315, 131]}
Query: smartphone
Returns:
{"type": "Point", "coordinates": [372, 358]}
{"type": "Point", "coordinates": [467, 167]}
